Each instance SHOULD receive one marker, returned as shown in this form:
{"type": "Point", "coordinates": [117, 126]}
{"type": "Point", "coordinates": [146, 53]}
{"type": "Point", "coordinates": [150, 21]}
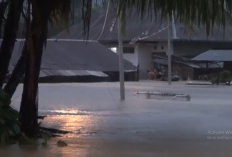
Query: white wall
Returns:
{"type": "Point", "coordinates": [159, 45]}
{"type": "Point", "coordinates": [132, 57]}
{"type": "Point", "coordinates": [145, 57]}
{"type": "Point", "coordinates": [145, 61]}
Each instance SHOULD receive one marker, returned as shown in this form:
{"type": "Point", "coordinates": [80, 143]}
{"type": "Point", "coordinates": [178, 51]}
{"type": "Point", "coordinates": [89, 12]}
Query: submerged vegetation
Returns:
{"type": "Point", "coordinates": [9, 128]}
{"type": "Point", "coordinates": [10, 132]}
{"type": "Point", "coordinates": [222, 77]}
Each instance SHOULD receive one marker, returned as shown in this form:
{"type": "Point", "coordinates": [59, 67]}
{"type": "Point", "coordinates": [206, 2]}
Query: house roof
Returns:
{"type": "Point", "coordinates": [215, 55]}
{"type": "Point", "coordinates": [75, 55]}
{"type": "Point", "coordinates": [141, 28]}
{"type": "Point", "coordinates": [162, 59]}
{"type": "Point", "coordinates": [45, 73]}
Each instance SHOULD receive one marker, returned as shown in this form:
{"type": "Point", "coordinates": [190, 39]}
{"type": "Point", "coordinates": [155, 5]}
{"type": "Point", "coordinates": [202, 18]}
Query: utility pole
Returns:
{"type": "Point", "coordinates": [121, 63]}
{"type": "Point", "coordinates": [169, 54]}
{"type": "Point", "coordinates": [73, 12]}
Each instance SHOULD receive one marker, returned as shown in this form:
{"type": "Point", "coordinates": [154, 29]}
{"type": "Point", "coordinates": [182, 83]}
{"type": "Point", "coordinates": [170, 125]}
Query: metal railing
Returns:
{"type": "Point", "coordinates": [164, 94]}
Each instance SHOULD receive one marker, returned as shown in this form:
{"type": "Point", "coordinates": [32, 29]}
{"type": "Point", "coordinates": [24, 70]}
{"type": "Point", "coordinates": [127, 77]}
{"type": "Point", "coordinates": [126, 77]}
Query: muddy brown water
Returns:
{"type": "Point", "coordinates": [104, 126]}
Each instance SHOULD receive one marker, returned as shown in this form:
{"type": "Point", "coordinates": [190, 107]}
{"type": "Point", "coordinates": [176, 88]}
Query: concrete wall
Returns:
{"type": "Point", "coordinates": [145, 52]}
{"type": "Point", "coordinates": [132, 57]}
{"type": "Point", "coordinates": [144, 59]}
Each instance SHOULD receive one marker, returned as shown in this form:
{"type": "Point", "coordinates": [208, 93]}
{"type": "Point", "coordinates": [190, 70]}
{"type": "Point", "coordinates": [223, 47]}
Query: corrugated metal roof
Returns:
{"type": "Point", "coordinates": [163, 60]}
{"type": "Point", "coordinates": [45, 73]}
{"type": "Point", "coordinates": [215, 55]}
{"type": "Point", "coordinates": [213, 65]}
{"type": "Point", "coordinates": [96, 73]}
{"type": "Point", "coordinates": [143, 28]}
{"type": "Point", "coordinates": [75, 55]}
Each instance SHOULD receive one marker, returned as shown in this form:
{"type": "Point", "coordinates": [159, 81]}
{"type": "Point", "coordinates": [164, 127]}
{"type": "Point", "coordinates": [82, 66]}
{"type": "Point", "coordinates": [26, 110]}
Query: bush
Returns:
{"type": "Point", "coordinates": [9, 128]}
{"type": "Point", "coordinates": [225, 77]}
{"type": "Point", "coordinates": [222, 77]}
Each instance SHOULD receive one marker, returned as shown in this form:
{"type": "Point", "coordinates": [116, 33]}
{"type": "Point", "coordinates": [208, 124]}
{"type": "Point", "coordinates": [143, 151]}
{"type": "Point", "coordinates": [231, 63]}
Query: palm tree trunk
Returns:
{"type": "Point", "coordinates": [10, 34]}
{"type": "Point", "coordinates": [3, 7]}
{"type": "Point", "coordinates": [29, 107]}
{"type": "Point", "coordinates": [18, 73]}
{"type": "Point", "coordinates": [29, 104]}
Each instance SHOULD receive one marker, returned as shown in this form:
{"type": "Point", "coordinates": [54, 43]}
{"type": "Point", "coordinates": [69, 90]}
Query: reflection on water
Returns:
{"type": "Point", "coordinates": [78, 124]}
{"type": "Point", "coordinates": [63, 112]}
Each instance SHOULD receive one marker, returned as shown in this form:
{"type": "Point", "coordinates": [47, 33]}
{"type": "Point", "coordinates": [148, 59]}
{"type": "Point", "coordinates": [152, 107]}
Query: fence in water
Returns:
{"type": "Point", "coordinates": [164, 96]}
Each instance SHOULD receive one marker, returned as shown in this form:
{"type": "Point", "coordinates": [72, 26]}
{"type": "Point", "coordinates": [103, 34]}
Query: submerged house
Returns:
{"type": "Point", "coordinates": [188, 68]}
{"type": "Point", "coordinates": [75, 61]}
{"type": "Point", "coordinates": [148, 37]}
{"type": "Point", "coordinates": [216, 57]}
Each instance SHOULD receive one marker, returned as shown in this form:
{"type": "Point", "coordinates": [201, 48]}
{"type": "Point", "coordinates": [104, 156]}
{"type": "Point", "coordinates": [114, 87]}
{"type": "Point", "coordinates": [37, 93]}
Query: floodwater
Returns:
{"type": "Point", "coordinates": [103, 126]}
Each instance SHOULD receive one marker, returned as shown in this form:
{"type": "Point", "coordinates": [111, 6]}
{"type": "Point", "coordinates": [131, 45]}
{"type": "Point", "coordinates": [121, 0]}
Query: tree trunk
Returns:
{"type": "Point", "coordinates": [3, 7]}
{"type": "Point", "coordinates": [18, 73]}
{"type": "Point", "coordinates": [29, 106]}
{"type": "Point", "coordinates": [10, 34]}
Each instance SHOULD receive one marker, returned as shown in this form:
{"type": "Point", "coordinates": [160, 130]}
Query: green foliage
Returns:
{"type": "Point", "coordinates": [225, 76]}
{"type": "Point", "coordinates": [4, 98]}
{"type": "Point", "coordinates": [222, 77]}
{"type": "Point", "coordinates": [24, 140]}
{"type": "Point", "coordinates": [214, 79]}
{"type": "Point", "coordinates": [46, 136]}
{"type": "Point", "coordinates": [9, 128]}
{"type": "Point", "coordinates": [35, 142]}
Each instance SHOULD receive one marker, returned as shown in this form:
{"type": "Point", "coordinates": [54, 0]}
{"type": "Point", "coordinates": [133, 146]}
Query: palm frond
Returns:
{"type": "Point", "coordinates": [206, 13]}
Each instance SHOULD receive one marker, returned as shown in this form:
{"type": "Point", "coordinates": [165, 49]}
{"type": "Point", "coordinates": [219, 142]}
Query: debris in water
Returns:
{"type": "Point", "coordinates": [61, 143]}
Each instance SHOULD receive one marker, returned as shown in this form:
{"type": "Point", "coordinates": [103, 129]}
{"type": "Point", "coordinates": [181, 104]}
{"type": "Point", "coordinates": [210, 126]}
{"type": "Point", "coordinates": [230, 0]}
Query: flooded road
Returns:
{"type": "Point", "coordinates": [105, 126]}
